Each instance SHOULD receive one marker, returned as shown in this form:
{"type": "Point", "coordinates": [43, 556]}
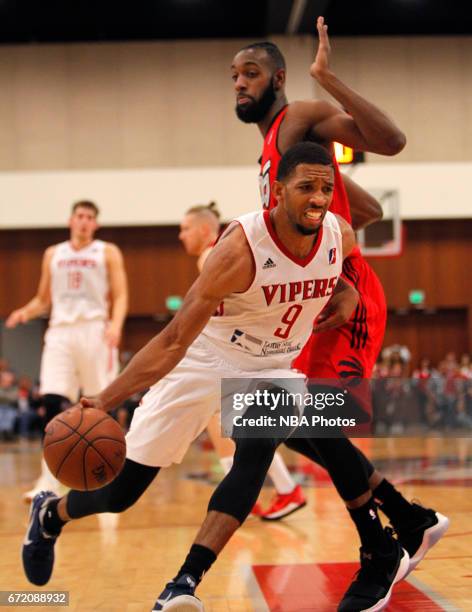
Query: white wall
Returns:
{"type": "Point", "coordinates": [141, 197]}
{"type": "Point", "coordinates": [148, 129]}
{"type": "Point", "coordinates": [170, 103]}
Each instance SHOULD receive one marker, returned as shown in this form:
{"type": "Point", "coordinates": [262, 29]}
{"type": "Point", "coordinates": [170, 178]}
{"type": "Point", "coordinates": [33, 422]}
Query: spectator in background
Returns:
{"type": "Point", "coordinates": [397, 353]}
{"type": "Point", "coordinates": [466, 366]}
{"type": "Point", "coordinates": [424, 396]}
{"type": "Point", "coordinates": [394, 403]}
{"type": "Point", "coordinates": [442, 396]}
{"type": "Point", "coordinates": [28, 403]}
{"type": "Point", "coordinates": [8, 404]}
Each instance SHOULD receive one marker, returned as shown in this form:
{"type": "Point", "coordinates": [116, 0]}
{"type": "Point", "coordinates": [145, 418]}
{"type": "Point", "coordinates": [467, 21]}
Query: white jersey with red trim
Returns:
{"type": "Point", "coordinates": [79, 284]}
{"type": "Point", "coordinates": [267, 325]}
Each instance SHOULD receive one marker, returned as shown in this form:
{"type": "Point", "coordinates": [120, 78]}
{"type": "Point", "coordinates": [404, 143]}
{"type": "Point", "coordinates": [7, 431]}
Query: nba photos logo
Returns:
{"type": "Point", "coordinates": [332, 256]}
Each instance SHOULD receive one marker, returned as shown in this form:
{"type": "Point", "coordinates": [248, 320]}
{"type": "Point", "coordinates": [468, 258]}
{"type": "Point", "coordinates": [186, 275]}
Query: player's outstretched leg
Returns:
{"type": "Point", "coordinates": [418, 529]}
{"type": "Point", "coordinates": [383, 561]}
{"type": "Point", "coordinates": [50, 513]}
{"type": "Point", "coordinates": [228, 508]}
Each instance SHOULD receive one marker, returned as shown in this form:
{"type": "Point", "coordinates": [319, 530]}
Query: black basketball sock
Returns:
{"type": "Point", "coordinates": [393, 504]}
{"type": "Point", "coordinates": [369, 527]}
{"type": "Point", "coordinates": [52, 523]}
{"type": "Point", "coordinates": [198, 561]}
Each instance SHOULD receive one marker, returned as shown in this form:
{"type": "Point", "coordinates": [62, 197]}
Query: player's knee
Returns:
{"type": "Point", "coordinates": [255, 451]}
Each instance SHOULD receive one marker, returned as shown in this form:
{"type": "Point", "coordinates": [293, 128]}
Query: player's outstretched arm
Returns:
{"type": "Point", "coordinates": [41, 303]}
{"type": "Point", "coordinates": [364, 126]}
{"type": "Point", "coordinates": [365, 209]}
{"type": "Point", "coordinates": [228, 269]}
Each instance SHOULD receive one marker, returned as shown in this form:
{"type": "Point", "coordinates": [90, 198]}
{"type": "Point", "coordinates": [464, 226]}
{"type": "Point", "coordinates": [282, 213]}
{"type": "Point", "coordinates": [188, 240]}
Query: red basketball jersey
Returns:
{"type": "Point", "coordinates": [270, 162]}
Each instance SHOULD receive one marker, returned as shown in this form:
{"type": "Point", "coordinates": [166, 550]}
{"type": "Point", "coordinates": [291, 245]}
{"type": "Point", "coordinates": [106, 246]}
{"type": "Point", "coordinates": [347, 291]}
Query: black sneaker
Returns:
{"type": "Point", "coordinates": [373, 583]}
{"type": "Point", "coordinates": [178, 596]}
{"type": "Point", "coordinates": [38, 546]}
{"type": "Point", "coordinates": [421, 533]}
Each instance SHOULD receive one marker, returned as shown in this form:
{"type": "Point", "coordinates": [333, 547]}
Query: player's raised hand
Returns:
{"type": "Point", "coordinates": [321, 64]}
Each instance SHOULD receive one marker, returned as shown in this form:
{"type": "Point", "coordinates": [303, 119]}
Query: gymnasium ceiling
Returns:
{"type": "Point", "coordinates": [30, 21]}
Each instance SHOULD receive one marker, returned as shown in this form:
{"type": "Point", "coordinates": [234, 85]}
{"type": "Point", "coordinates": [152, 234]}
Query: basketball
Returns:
{"type": "Point", "coordinates": [84, 448]}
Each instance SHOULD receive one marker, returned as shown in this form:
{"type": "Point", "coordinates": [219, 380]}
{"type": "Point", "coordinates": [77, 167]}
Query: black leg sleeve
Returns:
{"type": "Point", "coordinates": [304, 447]}
{"type": "Point", "coordinates": [116, 496]}
{"type": "Point", "coordinates": [342, 460]}
{"type": "Point", "coordinates": [238, 491]}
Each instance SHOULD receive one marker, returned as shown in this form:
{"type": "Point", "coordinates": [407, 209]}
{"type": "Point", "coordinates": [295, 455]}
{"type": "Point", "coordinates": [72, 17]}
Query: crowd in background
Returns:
{"type": "Point", "coordinates": [435, 397]}
{"type": "Point", "coordinates": [20, 406]}
{"type": "Point", "coordinates": [21, 412]}
{"type": "Point", "coordinates": [429, 397]}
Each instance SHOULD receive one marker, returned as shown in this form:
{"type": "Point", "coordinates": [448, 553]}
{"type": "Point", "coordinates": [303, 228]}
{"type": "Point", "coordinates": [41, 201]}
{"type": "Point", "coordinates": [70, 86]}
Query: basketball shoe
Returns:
{"type": "Point", "coordinates": [283, 505]}
{"type": "Point", "coordinates": [256, 510]}
{"type": "Point", "coordinates": [38, 546]}
{"type": "Point", "coordinates": [178, 596]}
{"type": "Point", "coordinates": [421, 533]}
{"type": "Point", "coordinates": [373, 584]}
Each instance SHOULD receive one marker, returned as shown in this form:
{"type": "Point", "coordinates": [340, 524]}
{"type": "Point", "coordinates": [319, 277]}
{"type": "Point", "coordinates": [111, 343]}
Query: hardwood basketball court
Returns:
{"type": "Point", "coordinates": [119, 563]}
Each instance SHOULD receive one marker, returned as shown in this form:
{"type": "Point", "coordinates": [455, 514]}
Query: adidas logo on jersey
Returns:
{"type": "Point", "coordinates": [269, 264]}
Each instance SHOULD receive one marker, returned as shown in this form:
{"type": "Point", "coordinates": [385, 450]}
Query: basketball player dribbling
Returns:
{"type": "Point", "coordinates": [258, 72]}
{"type": "Point", "coordinates": [186, 362]}
{"type": "Point", "coordinates": [199, 231]}
{"type": "Point", "coordinates": [83, 285]}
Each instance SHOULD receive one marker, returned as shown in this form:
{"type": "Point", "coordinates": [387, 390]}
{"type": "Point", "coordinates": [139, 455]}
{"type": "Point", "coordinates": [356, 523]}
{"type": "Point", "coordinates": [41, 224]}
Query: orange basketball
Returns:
{"type": "Point", "coordinates": [84, 448]}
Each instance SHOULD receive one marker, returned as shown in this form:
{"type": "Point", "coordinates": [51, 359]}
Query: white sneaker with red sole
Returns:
{"type": "Point", "coordinates": [283, 505]}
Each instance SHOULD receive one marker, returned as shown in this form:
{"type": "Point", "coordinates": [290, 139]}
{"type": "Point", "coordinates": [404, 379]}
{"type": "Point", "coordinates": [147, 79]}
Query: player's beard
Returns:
{"type": "Point", "coordinates": [257, 110]}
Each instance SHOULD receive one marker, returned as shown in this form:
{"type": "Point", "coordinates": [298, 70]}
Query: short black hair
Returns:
{"type": "Point", "coordinates": [274, 53]}
{"type": "Point", "coordinates": [302, 153]}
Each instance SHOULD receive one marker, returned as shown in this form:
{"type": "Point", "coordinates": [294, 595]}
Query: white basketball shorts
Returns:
{"type": "Point", "coordinates": [178, 408]}
{"type": "Point", "coordinates": [77, 358]}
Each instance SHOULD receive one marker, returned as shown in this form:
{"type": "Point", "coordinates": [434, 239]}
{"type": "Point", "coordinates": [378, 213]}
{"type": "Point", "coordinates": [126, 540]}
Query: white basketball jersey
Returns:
{"type": "Point", "coordinates": [79, 284]}
{"type": "Point", "coordinates": [267, 325]}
